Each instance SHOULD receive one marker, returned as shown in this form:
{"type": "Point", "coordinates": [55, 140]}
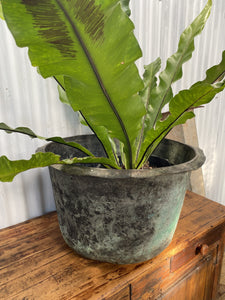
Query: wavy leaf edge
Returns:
{"type": "Point", "coordinates": [209, 87]}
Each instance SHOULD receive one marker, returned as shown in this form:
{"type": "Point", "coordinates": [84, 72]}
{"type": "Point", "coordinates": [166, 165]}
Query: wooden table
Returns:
{"type": "Point", "coordinates": [35, 263]}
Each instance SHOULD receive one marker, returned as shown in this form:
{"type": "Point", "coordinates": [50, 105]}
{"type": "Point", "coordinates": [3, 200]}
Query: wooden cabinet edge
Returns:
{"type": "Point", "coordinates": [152, 291]}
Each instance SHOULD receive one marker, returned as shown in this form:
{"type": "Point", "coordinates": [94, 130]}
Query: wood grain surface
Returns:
{"type": "Point", "coordinates": [35, 262]}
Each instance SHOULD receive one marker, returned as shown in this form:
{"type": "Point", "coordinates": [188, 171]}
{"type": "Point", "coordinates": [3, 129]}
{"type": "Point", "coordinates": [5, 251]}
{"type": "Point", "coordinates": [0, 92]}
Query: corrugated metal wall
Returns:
{"type": "Point", "coordinates": [159, 24]}
{"type": "Point", "coordinates": [28, 100]}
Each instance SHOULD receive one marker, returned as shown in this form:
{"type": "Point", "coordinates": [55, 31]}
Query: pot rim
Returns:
{"type": "Point", "coordinates": [193, 164]}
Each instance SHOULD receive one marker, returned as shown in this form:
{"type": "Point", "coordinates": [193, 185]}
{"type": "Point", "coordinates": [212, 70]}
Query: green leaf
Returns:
{"type": "Point", "coordinates": [112, 159]}
{"type": "Point", "coordinates": [1, 12]}
{"type": "Point", "coordinates": [102, 134]}
{"type": "Point", "coordinates": [181, 105]}
{"type": "Point", "coordinates": [30, 133]}
{"type": "Point", "coordinates": [150, 81]}
{"type": "Point", "coordinates": [63, 96]}
{"type": "Point", "coordinates": [89, 160]}
{"type": "Point", "coordinates": [125, 6]}
{"type": "Point", "coordinates": [9, 169]}
{"type": "Point", "coordinates": [61, 89]}
{"type": "Point", "coordinates": [162, 94]}
{"type": "Point", "coordinates": [179, 109]}
{"type": "Point", "coordinates": [215, 73]}
{"type": "Point", "coordinates": [79, 40]}
{"type": "Point", "coordinates": [99, 131]}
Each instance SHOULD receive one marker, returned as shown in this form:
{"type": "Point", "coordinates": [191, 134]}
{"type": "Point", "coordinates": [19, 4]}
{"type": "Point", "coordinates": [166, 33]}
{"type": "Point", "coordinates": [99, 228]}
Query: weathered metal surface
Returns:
{"type": "Point", "coordinates": [124, 216]}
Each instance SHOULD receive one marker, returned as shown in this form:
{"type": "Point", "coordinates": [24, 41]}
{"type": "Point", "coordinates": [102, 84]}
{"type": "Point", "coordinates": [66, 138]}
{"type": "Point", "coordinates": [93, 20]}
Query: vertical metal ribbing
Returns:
{"type": "Point", "coordinates": [159, 24]}
{"type": "Point", "coordinates": [26, 99]}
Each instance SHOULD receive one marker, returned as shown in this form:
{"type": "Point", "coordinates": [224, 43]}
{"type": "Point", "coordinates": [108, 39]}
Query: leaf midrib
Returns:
{"type": "Point", "coordinates": [99, 79]}
{"type": "Point", "coordinates": [144, 119]}
{"type": "Point", "coordinates": [171, 81]}
{"type": "Point", "coordinates": [174, 121]}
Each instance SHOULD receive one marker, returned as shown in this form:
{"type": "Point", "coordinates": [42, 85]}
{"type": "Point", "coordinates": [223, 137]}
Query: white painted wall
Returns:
{"type": "Point", "coordinates": [28, 100]}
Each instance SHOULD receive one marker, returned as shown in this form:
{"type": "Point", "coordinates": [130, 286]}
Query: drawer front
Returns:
{"type": "Point", "coordinates": [195, 284]}
{"type": "Point", "coordinates": [197, 247]}
{"type": "Point", "coordinates": [154, 283]}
